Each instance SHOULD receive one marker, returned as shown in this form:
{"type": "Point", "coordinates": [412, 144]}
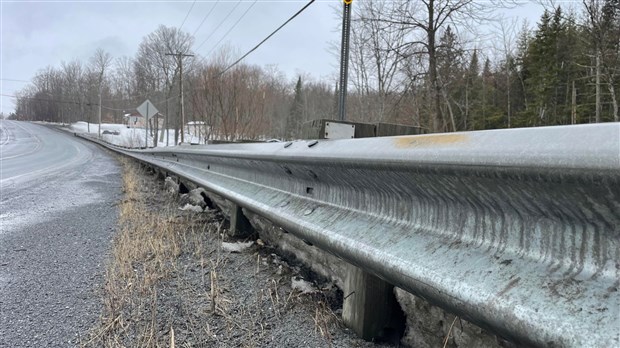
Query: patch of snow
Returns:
{"type": "Point", "coordinates": [236, 247]}
{"type": "Point", "coordinates": [123, 135]}
{"type": "Point", "coordinates": [194, 197]}
{"type": "Point", "coordinates": [301, 285]}
{"type": "Point", "coordinates": [171, 186]}
{"type": "Point", "coordinates": [195, 133]}
{"type": "Point", "coordinates": [191, 207]}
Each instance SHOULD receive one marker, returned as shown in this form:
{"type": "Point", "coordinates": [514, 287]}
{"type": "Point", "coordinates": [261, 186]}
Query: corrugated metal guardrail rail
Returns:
{"type": "Point", "coordinates": [515, 230]}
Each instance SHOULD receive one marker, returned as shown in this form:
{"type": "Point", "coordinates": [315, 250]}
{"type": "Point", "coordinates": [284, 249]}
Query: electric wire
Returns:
{"type": "Point", "coordinates": [48, 100]}
{"type": "Point", "coordinates": [231, 28]}
{"type": "Point", "coordinates": [223, 71]}
{"type": "Point", "coordinates": [129, 99]}
{"type": "Point", "coordinates": [15, 80]}
{"type": "Point", "coordinates": [114, 109]}
{"type": "Point", "coordinates": [205, 18]}
{"type": "Point", "coordinates": [218, 26]}
{"type": "Point", "coordinates": [187, 15]}
{"type": "Point", "coordinates": [60, 101]}
{"type": "Point", "coordinates": [267, 38]}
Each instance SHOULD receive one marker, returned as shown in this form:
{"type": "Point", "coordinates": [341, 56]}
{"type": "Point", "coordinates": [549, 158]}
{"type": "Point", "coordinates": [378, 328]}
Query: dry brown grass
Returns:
{"type": "Point", "coordinates": [143, 254]}
{"type": "Point", "coordinates": [168, 283]}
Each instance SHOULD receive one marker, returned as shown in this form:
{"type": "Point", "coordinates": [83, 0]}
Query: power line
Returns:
{"type": "Point", "coordinates": [187, 15]}
{"type": "Point", "coordinates": [113, 109]}
{"type": "Point", "coordinates": [232, 27]}
{"type": "Point", "coordinates": [220, 24]}
{"type": "Point", "coordinates": [49, 100]}
{"type": "Point", "coordinates": [105, 100]}
{"type": "Point", "coordinates": [205, 18]}
{"type": "Point", "coordinates": [15, 80]}
{"type": "Point", "coordinates": [130, 98]}
{"type": "Point", "coordinates": [267, 38]}
{"type": "Point", "coordinates": [66, 102]}
{"type": "Point", "coordinates": [160, 103]}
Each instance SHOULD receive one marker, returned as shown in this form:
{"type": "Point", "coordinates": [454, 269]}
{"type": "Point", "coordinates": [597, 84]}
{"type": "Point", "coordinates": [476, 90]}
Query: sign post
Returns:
{"type": "Point", "coordinates": [147, 110]}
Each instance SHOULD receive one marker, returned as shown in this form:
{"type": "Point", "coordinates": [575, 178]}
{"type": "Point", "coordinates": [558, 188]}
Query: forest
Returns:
{"type": "Point", "coordinates": [442, 65]}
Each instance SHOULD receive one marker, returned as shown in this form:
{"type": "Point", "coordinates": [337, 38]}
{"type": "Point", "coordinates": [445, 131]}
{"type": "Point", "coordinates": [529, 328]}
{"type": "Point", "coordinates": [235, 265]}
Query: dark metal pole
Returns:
{"type": "Point", "coordinates": [181, 98]}
{"type": "Point", "coordinates": [344, 58]}
{"type": "Point", "coordinates": [146, 128]}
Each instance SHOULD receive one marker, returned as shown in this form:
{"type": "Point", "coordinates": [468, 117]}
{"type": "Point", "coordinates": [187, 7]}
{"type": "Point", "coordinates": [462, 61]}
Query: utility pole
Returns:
{"type": "Point", "coordinates": [99, 131]}
{"type": "Point", "coordinates": [180, 57]}
{"type": "Point", "coordinates": [344, 58]}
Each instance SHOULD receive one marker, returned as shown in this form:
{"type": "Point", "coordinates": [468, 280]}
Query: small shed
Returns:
{"type": "Point", "coordinates": [135, 120]}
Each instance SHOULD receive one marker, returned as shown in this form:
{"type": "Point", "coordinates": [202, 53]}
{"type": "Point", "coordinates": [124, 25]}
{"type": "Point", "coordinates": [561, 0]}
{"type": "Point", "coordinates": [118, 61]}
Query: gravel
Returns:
{"type": "Point", "coordinates": [258, 299]}
{"type": "Point", "coordinates": [55, 235]}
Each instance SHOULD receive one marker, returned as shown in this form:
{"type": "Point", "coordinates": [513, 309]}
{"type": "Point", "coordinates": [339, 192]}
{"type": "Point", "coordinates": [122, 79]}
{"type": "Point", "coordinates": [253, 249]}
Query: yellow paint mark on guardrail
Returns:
{"type": "Point", "coordinates": [429, 140]}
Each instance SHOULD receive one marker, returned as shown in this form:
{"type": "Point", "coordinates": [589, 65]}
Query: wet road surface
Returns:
{"type": "Point", "coordinates": [58, 214]}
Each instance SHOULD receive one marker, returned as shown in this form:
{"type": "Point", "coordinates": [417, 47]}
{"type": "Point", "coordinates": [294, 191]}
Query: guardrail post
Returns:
{"type": "Point", "coordinates": [370, 307]}
{"type": "Point", "coordinates": [239, 225]}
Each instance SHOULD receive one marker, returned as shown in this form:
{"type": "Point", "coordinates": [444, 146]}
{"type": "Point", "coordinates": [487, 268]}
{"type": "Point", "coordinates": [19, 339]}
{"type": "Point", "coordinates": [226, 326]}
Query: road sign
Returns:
{"type": "Point", "coordinates": [147, 109]}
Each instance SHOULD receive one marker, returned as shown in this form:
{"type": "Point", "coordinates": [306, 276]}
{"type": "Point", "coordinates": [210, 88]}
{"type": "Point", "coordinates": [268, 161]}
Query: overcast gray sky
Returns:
{"type": "Point", "coordinates": [35, 34]}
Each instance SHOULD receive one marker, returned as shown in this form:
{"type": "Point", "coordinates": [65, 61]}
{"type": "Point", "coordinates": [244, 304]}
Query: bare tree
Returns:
{"type": "Point", "coordinates": [421, 23]}
{"type": "Point", "coordinates": [604, 30]}
{"type": "Point", "coordinates": [99, 64]}
{"type": "Point", "coordinates": [73, 76]}
{"type": "Point", "coordinates": [155, 68]}
{"type": "Point", "coordinates": [507, 32]}
{"type": "Point", "coordinates": [374, 62]}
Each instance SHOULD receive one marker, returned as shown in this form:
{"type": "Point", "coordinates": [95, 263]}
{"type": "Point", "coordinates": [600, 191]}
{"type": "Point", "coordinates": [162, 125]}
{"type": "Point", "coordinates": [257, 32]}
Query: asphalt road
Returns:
{"type": "Point", "coordinates": [58, 213]}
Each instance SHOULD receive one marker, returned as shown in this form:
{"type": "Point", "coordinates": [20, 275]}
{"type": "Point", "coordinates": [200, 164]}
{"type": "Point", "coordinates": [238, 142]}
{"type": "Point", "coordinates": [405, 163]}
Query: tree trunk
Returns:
{"type": "Point", "coordinates": [445, 96]}
{"type": "Point", "coordinates": [573, 116]}
{"type": "Point", "coordinates": [466, 103]}
{"type": "Point", "coordinates": [598, 87]}
{"type": "Point", "coordinates": [614, 100]}
{"type": "Point", "coordinates": [166, 122]}
{"type": "Point", "coordinates": [508, 106]}
{"type": "Point", "coordinates": [484, 103]}
{"type": "Point", "coordinates": [432, 66]}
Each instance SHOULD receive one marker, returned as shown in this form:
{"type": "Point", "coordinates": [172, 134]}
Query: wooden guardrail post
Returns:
{"type": "Point", "coordinates": [370, 307]}
{"type": "Point", "coordinates": [239, 225]}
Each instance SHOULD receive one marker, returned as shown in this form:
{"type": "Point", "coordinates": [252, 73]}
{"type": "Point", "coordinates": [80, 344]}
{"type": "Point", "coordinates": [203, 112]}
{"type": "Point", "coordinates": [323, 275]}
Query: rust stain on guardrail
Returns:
{"type": "Point", "coordinates": [429, 140]}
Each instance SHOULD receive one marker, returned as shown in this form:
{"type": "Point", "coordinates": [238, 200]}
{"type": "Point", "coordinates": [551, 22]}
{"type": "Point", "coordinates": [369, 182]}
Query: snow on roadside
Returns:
{"type": "Point", "coordinates": [301, 285]}
{"type": "Point", "coordinates": [236, 247]}
{"type": "Point", "coordinates": [126, 136]}
{"type": "Point", "coordinates": [194, 208]}
{"type": "Point", "coordinates": [122, 135]}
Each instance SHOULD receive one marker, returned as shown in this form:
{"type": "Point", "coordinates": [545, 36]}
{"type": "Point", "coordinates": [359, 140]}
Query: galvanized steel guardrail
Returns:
{"type": "Point", "coordinates": [515, 230]}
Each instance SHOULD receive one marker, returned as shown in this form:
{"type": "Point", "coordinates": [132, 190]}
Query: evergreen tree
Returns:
{"type": "Point", "coordinates": [548, 64]}
{"type": "Point", "coordinates": [450, 77]}
{"type": "Point", "coordinates": [473, 86]}
{"type": "Point", "coordinates": [295, 118]}
{"type": "Point", "coordinates": [542, 67]}
{"type": "Point", "coordinates": [522, 69]}
{"type": "Point", "coordinates": [490, 116]}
